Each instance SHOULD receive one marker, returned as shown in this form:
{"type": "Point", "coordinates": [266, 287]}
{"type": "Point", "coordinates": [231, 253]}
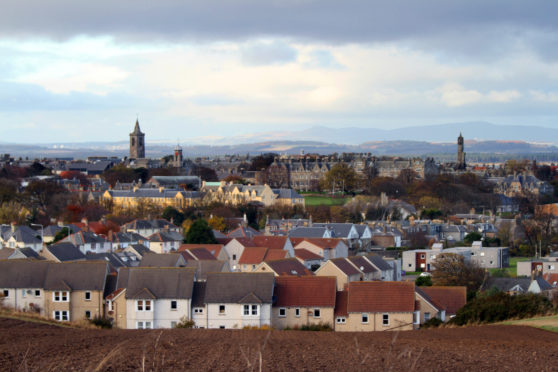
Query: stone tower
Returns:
{"type": "Point", "coordinates": [137, 143]}
{"type": "Point", "coordinates": [177, 159]}
{"type": "Point", "coordinates": [460, 153]}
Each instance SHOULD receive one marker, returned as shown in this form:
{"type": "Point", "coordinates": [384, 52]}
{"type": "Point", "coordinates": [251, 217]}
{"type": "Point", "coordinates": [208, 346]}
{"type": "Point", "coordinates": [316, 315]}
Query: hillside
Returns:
{"type": "Point", "coordinates": [32, 346]}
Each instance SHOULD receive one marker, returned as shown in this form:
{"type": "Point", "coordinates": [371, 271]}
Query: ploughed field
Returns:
{"type": "Point", "coordinates": [40, 347]}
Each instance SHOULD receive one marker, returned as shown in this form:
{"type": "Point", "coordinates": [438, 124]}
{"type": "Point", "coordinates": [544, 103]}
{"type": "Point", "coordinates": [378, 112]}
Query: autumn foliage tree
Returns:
{"type": "Point", "coordinates": [451, 269]}
{"type": "Point", "coordinates": [340, 177]}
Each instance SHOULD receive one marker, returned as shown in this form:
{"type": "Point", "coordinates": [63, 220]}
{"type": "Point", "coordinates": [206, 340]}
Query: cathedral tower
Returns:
{"type": "Point", "coordinates": [177, 159]}
{"type": "Point", "coordinates": [137, 143]}
{"type": "Point", "coordinates": [460, 154]}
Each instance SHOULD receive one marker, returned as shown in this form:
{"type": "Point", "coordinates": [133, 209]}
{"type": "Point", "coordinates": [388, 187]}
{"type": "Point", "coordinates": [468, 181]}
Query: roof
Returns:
{"type": "Point", "coordinates": [379, 262]}
{"type": "Point", "coordinates": [157, 282]}
{"type": "Point", "coordinates": [271, 242]}
{"type": "Point", "coordinates": [275, 254]}
{"type": "Point", "coordinates": [306, 255]}
{"type": "Point", "coordinates": [305, 291]}
{"type": "Point", "coordinates": [552, 279]}
{"type": "Point", "coordinates": [65, 252]}
{"type": "Point", "coordinates": [166, 236]}
{"type": "Point", "coordinates": [77, 276]}
{"type": "Point", "coordinates": [345, 266]}
{"type": "Point", "coordinates": [199, 253]}
{"type": "Point", "coordinates": [363, 265]}
{"type": "Point", "coordinates": [161, 260]}
{"type": "Point", "coordinates": [377, 297]}
{"type": "Point", "coordinates": [239, 288]}
{"type": "Point", "coordinates": [214, 249]}
{"type": "Point", "coordinates": [203, 267]}
{"type": "Point", "coordinates": [252, 255]}
{"type": "Point", "coordinates": [452, 298]}
{"type": "Point", "coordinates": [289, 267]}
{"type": "Point", "coordinates": [5, 253]}
{"type": "Point", "coordinates": [23, 273]}
{"type": "Point", "coordinates": [307, 232]}
{"type": "Point", "coordinates": [243, 232]}
{"type": "Point", "coordinates": [324, 243]}
{"type": "Point", "coordinates": [341, 302]}
{"type": "Point", "coordinates": [140, 249]}
{"type": "Point", "coordinates": [507, 284]}
{"type": "Point", "coordinates": [543, 284]}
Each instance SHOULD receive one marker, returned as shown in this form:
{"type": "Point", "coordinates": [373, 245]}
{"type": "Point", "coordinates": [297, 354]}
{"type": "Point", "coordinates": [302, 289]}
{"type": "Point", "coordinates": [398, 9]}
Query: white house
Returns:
{"type": "Point", "coordinates": [22, 283]}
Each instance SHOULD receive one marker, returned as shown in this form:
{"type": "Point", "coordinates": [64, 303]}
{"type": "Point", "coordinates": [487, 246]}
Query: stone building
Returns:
{"type": "Point", "coordinates": [137, 143]}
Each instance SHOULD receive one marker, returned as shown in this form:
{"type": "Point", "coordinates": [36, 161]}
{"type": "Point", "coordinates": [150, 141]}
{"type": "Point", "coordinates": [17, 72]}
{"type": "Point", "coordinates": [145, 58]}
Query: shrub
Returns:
{"type": "Point", "coordinates": [321, 327]}
{"type": "Point", "coordinates": [432, 323]}
{"type": "Point", "coordinates": [501, 306]}
{"type": "Point", "coordinates": [99, 321]}
{"type": "Point", "coordinates": [423, 281]}
{"type": "Point", "coordinates": [185, 323]}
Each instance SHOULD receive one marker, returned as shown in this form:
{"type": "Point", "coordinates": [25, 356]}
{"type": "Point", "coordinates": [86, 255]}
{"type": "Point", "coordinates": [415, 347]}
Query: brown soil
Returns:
{"type": "Point", "coordinates": [40, 347]}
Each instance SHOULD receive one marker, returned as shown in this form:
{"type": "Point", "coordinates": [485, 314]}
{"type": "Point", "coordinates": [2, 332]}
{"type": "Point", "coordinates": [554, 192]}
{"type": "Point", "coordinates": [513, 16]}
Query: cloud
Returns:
{"type": "Point", "coordinates": [454, 95]}
{"type": "Point", "coordinates": [547, 97]}
{"type": "Point", "coordinates": [268, 53]}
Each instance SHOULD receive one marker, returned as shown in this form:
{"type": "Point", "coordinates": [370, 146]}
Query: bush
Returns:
{"type": "Point", "coordinates": [423, 281]}
{"type": "Point", "coordinates": [432, 323]}
{"type": "Point", "coordinates": [99, 321]}
{"type": "Point", "coordinates": [185, 323]}
{"type": "Point", "coordinates": [500, 307]}
{"type": "Point", "coordinates": [321, 327]}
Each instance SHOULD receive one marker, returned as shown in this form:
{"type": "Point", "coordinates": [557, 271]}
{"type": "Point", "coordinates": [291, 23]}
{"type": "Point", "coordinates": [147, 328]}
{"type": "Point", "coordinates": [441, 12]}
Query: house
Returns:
{"type": "Point", "coordinates": [440, 302]}
{"type": "Point", "coordinates": [545, 265]}
{"type": "Point", "coordinates": [75, 290]}
{"type": "Point", "coordinates": [149, 227]}
{"type": "Point", "coordinates": [511, 286]}
{"type": "Point", "coordinates": [198, 305]}
{"type": "Point", "coordinates": [138, 249]}
{"type": "Point", "coordinates": [283, 267]}
{"type": "Point", "coordinates": [302, 301]}
{"type": "Point", "coordinates": [161, 197]}
{"type": "Point", "coordinates": [275, 242]}
{"type": "Point", "coordinates": [197, 254]}
{"type": "Point", "coordinates": [89, 242]}
{"type": "Point", "coordinates": [342, 269]}
{"type": "Point", "coordinates": [174, 182]}
{"type": "Point", "coordinates": [163, 260]}
{"type": "Point", "coordinates": [238, 300]}
{"type": "Point", "coordinates": [22, 284]}
{"type": "Point", "coordinates": [388, 269]}
{"type": "Point", "coordinates": [539, 285]}
{"type": "Point", "coordinates": [346, 231]}
{"type": "Point", "coordinates": [62, 252]}
{"type": "Point", "coordinates": [215, 249]}
{"type": "Point", "coordinates": [376, 306]}
{"type": "Point", "coordinates": [237, 194]}
{"type": "Point", "coordinates": [157, 297]}
{"type": "Point", "coordinates": [253, 256]}
{"type": "Point", "coordinates": [233, 248]}
{"type": "Point", "coordinates": [165, 241]}
{"type": "Point", "coordinates": [22, 237]}
{"type": "Point", "coordinates": [244, 232]}
{"type": "Point", "coordinates": [122, 240]}
{"type": "Point", "coordinates": [368, 271]}
{"type": "Point", "coordinates": [325, 248]}
{"type": "Point", "coordinates": [310, 260]}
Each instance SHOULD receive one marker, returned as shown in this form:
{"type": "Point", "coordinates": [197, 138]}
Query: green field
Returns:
{"type": "Point", "coordinates": [512, 270]}
{"type": "Point", "coordinates": [314, 200]}
{"type": "Point", "coordinates": [548, 323]}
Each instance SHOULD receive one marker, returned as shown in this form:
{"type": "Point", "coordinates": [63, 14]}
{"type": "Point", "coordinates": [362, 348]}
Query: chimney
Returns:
{"type": "Point", "coordinates": [13, 226]}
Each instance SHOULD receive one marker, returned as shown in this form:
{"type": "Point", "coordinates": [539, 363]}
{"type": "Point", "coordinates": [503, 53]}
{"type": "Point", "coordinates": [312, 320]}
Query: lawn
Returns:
{"type": "Point", "coordinates": [549, 323]}
{"type": "Point", "coordinates": [314, 200]}
{"type": "Point", "coordinates": [512, 270]}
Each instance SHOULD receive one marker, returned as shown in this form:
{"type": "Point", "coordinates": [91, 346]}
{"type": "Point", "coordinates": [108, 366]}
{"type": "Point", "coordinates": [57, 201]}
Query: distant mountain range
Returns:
{"type": "Point", "coordinates": [436, 140]}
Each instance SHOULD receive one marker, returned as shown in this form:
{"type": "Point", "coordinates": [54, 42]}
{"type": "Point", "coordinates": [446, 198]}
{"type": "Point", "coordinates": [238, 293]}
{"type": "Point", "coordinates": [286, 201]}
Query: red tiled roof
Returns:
{"type": "Point", "coordinates": [341, 302]}
{"type": "Point", "coordinates": [271, 242]}
{"type": "Point", "coordinates": [376, 297]}
{"type": "Point", "coordinates": [305, 254]}
{"type": "Point", "coordinates": [307, 291]}
{"type": "Point", "coordinates": [252, 255]}
{"type": "Point", "coordinates": [275, 254]}
{"type": "Point", "coordinates": [345, 266]}
{"type": "Point", "coordinates": [115, 293]}
{"type": "Point", "coordinates": [453, 298]}
{"type": "Point", "coordinates": [289, 267]}
{"type": "Point", "coordinates": [551, 278]}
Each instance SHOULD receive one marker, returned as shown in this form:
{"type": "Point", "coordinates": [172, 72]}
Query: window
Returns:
{"type": "Point", "coordinates": [426, 316]}
{"type": "Point", "coordinates": [88, 314]}
{"type": "Point", "coordinates": [59, 296]}
{"type": "Point", "coordinates": [410, 265]}
{"type": "Point", "coordinates": [385, 319]}
{"type": "Point", "coordinates": [364, 318]}
{"type": "Point", "coordinates": [87, 296]}
{"type": "Point", "coordinates": [255, 309]}
{"type": "Point", "coordinates": [317, 313]}
{"type": "Point", "coordinates": [174, 305]}
{"type": "Point", "coordinates": [234, 257]}
{"type": "Point", "coordinates": [222, 327]}
{"type": "Point", "coordinates": [251, 310]}
{"type": "Point", "coordinates": [6, 293]}
{"type": "Point", "coordinates": [282, 312]}
{"type": "Point", "coordinates": [37, 293]}
{"type": "Point", "coordinates": [341, 320]}
{"type": "Point", "coordinates": [422, 256]}
{"type": "Point", "coordinates": [221, 309]}
{"type": "Point", "coordinates": [23, 293]}
{"type": "Point", "coordinates": [297, 312]}
{"type": "Point", "coordinates": [143, 325]}
{"type": "Point", "coordinates": [144, 305]}
{"type": "Point", "coordinates": [61, 316]}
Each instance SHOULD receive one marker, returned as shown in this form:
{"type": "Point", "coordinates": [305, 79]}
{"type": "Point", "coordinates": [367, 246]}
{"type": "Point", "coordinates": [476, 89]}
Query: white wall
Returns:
{"type": "Point", "coordinates": [19, 298]}
{"type": "Point", "coordinates": [234, 318]}
{"type": "Point", "coordinates": [160, 315]}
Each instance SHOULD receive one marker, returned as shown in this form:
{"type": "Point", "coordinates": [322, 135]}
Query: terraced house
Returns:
{"type": "Point", "coordinates": [234, 194]}
{"type": "Point", "coordinates": [161, 197]}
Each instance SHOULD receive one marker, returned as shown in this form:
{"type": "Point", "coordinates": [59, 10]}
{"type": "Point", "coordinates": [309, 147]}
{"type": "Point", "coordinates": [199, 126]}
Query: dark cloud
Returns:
{"type": "Point", "coordinates": [266, 53]}
{"type": "Point", "coordinates": [332, 20]}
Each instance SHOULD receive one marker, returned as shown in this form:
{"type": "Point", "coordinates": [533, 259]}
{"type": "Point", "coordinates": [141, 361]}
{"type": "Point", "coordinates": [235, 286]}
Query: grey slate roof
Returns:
{"type": "Point", "coordinates": [77, 276]}
{"type": "Point", "coordinates": [362, 264]}
{"type": "Point", "coordinates": [204, 267]}
{"type": "Point", "coordinates": [29, 253]}
{"type": "Point", "coordinates": [162, 260]}
{"type": "Point", "coordinates": [140, 248]}
{"type": "Point", "coordinates": [506, 284]}
{"type": "Point", "coordinates": [166, 236]}
{"type": "Point", "coordinates": [307, 232]}
{"type": "Point", "coordinates": [345, 266]}
{"type": "Point", "coordinates": [543, 284]}
{"type": "Point", "coordinates": [340, 230]}
{"type": "Point", "coordinates": [235, 288]}
{"type": "Point", "coordinates": [65, 252]}
{"type": "Point", "coordinates": [23, 273]}
{"type": "Point", "coordinates": [379, 262]}
{"type": "Point", "coordinates": [157, 283]}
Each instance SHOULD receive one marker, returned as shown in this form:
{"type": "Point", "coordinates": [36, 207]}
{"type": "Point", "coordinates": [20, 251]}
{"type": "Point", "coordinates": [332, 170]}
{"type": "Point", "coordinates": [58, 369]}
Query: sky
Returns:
{"type": "Point", "coordinates": [201, 71]}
